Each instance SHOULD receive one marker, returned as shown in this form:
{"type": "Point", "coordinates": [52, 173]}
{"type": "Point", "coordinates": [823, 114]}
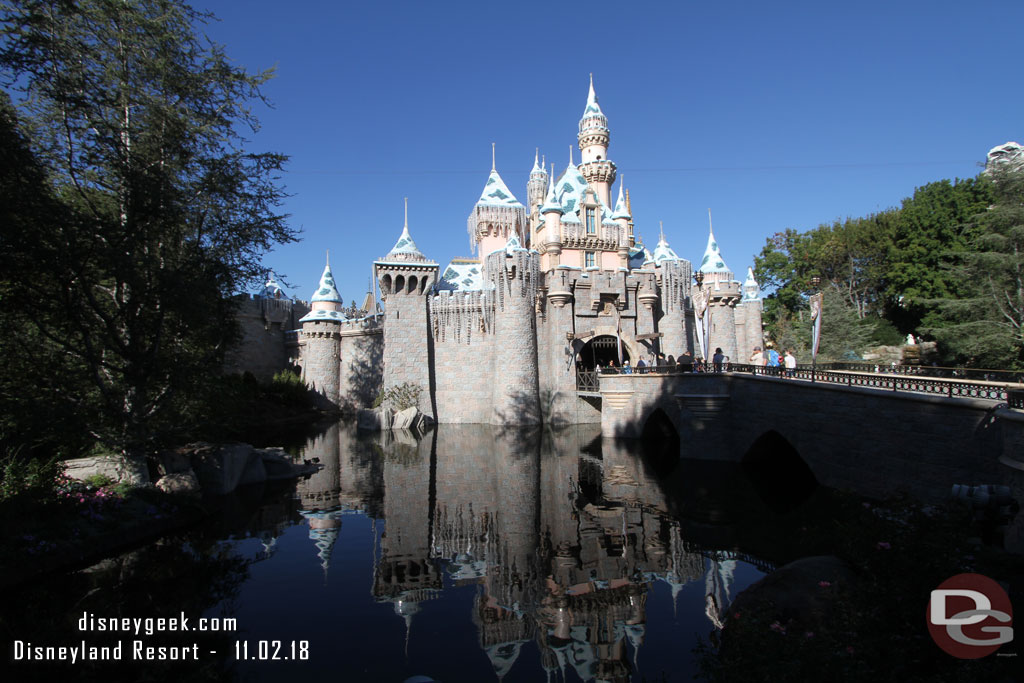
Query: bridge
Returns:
{"type": "Point", "coordinates": [876, 433]}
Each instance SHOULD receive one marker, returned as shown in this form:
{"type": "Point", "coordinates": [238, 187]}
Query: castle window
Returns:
{"type": "Point", "coordinates": [590, 259]}
{"type": "Point", "coordinates": [591, 221]}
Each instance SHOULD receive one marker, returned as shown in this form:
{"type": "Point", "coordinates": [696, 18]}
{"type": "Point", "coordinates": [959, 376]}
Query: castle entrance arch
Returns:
{"type": "Point", "coordinates": [601, 350]}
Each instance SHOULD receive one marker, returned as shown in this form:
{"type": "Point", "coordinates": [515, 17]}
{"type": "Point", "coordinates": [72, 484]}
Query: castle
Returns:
{"type": "Point", "coordinates": [560, 286]}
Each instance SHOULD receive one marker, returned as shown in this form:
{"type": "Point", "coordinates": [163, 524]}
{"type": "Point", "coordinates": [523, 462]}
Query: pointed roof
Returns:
{"type": "Point", "coordinates": [327, 291]}
{"type": "Point", "coordinates": [496, 193]}
{"type": "Point", "coordinates": [593, 117]}
{"type": "Point", "coordinates": [405, 249]}
{"type": "Point", "coordinates": [663, 252]}
{"type": "Point", "coordinates": [537, 168]}
{"type": "Point", "coordinates": [751, 290]}
{"type": "Point", "coordinates": [551, 201]}
{"type": "Point", "coordinates": [569, 188]}
{"type": "Point", "coordinates": [272, 290]}
{"type": "Point", "coordinates": [621, 210]}
{"type": "Point", "coordinates": [712, 261]}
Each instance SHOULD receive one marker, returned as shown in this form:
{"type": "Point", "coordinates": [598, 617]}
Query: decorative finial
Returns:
{"type": "Point", "coordinates": [661, 231]}
{"type": "Point", "coordinates": [536, 155]}
{"type": "Point", "coordinates": [570, 156]}
{"type": "Point", "coordinates": [328, 258]}
{"type": "Point", "coordinates": [406, 225]}
{"type": "Point", "coordinates": [492, 157]}
{"type": "Point", "coordinates": [543, 162]}
{"type": "Point", "coordinates": [710, 228]}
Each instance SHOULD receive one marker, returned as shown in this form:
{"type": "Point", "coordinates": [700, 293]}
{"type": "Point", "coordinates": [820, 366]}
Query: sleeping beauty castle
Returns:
{"type": "Point", "coordinates": [560, 286]}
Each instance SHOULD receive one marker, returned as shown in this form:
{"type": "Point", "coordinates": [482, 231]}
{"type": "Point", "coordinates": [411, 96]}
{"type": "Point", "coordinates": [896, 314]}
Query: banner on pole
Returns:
{"type": "Point", "coordinates": [815, 323]}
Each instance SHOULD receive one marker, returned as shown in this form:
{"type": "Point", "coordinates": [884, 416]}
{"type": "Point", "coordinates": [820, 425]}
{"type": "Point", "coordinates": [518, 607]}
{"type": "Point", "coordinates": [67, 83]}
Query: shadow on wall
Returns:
{"type": "Point", "coordinates": [365, 375]}
{"type": "Point", "coordinates": [523, 409]}
{"type": "Point", "coordinates": [778, 474]}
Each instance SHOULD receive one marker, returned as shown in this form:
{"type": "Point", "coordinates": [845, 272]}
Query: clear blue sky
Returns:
{"type": "Point", "coordinates": [773, 115]}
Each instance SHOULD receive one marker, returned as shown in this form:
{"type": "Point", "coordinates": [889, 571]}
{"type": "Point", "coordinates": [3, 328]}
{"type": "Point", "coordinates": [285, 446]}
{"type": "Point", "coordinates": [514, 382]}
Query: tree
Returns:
{"type": "Point", "coordinates": [931, 228]}
{"type": "Point", "coordinates": [138, 126]}
{"type": "Point", "coordinates": [984, 326]}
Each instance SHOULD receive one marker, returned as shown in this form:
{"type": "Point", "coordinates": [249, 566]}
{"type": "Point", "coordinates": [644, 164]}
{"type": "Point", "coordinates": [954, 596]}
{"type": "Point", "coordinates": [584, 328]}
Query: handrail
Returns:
{"type": "Point", "coordinates": [952, 388]}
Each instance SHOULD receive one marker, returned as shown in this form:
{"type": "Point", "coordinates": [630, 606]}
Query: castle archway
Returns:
{"type": "Point", "coordinates": [602, 350]}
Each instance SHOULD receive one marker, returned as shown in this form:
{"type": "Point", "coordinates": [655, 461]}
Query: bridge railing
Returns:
{"type": "Point", "coordinates": [1012, 376]}
{"type": "Point", "coordinates": [887, 381]}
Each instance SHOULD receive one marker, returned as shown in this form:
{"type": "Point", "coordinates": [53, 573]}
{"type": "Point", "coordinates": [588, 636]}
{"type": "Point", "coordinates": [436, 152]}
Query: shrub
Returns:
{"type": "Point", "coordinates": [399, 397]}
{"type": "Point", "coordinates": [29, 477]}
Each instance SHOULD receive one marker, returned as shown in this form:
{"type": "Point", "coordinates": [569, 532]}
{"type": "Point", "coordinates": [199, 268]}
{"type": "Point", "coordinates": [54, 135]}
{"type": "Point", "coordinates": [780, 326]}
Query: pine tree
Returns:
{"type": "Point", "coordinates": [139, 127]}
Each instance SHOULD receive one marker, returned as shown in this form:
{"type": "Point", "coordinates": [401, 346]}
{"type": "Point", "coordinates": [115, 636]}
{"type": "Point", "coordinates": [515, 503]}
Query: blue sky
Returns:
{"type": "Point", "coordinates": [773, 115]}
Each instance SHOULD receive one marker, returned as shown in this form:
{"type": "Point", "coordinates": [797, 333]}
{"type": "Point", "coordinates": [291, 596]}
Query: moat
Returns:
{"type": "Point", "coordinates": [475, 553]}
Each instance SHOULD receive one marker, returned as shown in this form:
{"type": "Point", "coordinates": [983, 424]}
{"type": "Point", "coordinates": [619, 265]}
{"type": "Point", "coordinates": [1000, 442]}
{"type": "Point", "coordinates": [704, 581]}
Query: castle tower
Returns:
{"type": "Point", "coordinates": [749, 333]}
{"type": "Point", "coordinates": [321, 329]}
{"type": "Point", "coordinates": [514, 273]}
{"type": "Point", "coordinates": [406, 277]}
{"type": "Point", "coordinates": [593, 138]}
{"type": "Point", "coordinates": [550, 244]}
{"type": "Point", "coordinates": [497, 216]}
{"type": "Point", "coordinates": [536, 187]}
{"type": "Point", "coordinates": [673, 276]}
{"type": "Point", "coordinates": [724, 291]}
{"type": "Point", "coordinates": [624, 220]}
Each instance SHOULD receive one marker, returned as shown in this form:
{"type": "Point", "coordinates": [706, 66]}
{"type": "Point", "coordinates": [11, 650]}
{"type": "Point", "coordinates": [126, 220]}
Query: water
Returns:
{"type": "Point", "coordinates": [474, 554]}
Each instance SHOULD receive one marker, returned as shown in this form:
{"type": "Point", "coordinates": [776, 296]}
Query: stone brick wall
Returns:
{"type": "Point", "coordinates": [463, 376]}
{"type": "Point", "coordinates": [362, 367]}
{"type": "Point", "coordinates": [322, 361]}
{"type": "Point", "coordinates": [407, 344]}
{"type": "Point", "coordinates": [261, 348]}
{"type": "Point", "coordinates": [514, 379]}
{"type": "Point", "coordinates": [875, 442]}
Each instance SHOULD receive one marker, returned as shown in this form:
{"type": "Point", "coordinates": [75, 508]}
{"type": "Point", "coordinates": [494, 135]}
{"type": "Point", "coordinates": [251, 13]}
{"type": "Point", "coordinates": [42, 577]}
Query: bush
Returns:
{"type": "Point", "coordinates": [34, 478]}
{"type": "Point", "coordinates": [399, 397]}
{"type": "Point", "coordinates": [884, 333]}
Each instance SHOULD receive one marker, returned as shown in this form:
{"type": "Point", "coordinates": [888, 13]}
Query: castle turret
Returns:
{"type": "Point", "coordinates": [593, 138]}
{"type": "Point", "coordinates": [673, 276]}
{"type": "Point", "coordinates": [749, 333]}
{"type": "Point", "coordinates": [620, 214]}
{"type": "Point", "coordinates": [724, 291]}
{"type": "Point", "coordinates": [321, 336]}
{"type": "Point", "coordinates": [514, 273]}
{"type": "Point", "coordinates": [536, 185]}
{"type": "Point", "coordinates": [551, 243]}
{"type": "Point", "coordinates": [497, 216]}
{"type": "Point", "coordinates": [406, 277]}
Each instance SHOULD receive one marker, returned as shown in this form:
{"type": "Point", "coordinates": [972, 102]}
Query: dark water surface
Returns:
{"type": "Point", "coordinates": [473, 554]}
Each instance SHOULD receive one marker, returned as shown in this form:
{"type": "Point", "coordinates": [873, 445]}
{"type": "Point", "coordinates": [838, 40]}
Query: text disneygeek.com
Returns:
{"type": "Point", "coordinates": [138, 649]}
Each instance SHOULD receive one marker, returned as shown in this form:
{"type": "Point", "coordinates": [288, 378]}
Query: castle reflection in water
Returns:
{"type": "Point", "coordinates": [563, 533]}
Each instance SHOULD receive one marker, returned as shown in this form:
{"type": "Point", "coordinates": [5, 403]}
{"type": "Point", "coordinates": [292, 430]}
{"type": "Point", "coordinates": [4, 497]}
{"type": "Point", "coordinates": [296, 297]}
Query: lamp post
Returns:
{"type": "Point", "coordinates": [815, 324]}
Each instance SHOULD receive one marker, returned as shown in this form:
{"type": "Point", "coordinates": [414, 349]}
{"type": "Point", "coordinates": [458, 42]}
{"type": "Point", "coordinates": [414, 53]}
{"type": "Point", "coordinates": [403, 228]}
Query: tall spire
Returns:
{"type": "Point", "coordinates": [405, 249]}
{"type": "Point", "coordinates": [536, 165]}
{"type": "Point", "coordinates": [712, 261]}
{"type": "Point", "coordinates": [570, 156]}
{"type": "Point", "coordinates": [493, 165]}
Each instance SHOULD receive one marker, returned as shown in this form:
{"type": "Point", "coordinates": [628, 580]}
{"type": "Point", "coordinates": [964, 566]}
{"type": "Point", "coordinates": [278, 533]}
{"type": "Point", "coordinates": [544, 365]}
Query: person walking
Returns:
{"type": "Point", "coordinates": [718, 359]}
{"type": "Point", "coordinates": [790, 361]}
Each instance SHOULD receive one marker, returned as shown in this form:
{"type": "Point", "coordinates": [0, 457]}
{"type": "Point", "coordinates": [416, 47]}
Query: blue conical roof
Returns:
{"type": "Point", "coordinates": [620, 211]}
{"type": "Point", "coordinates": [496, 193]}
{"type": "Point", "coordinates": [327, 291]}
{"type": "Point", "coordinates": [712, 261]}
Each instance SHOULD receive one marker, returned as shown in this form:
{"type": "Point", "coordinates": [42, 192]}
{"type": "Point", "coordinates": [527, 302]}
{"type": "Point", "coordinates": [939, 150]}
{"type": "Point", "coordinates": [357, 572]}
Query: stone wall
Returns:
{"type": "Point", "coordinates": [263, 324]}
{"type": "Point", "coordinates": [408, 345]}
{"type": "Point", "coordinates": [362, 365]}
{"type": "Point", "coordinates": [322, 361]}
{"type": "Point", "coordinates": [462, 325]}
{"type": "Point", "coordinates": [875, 442]}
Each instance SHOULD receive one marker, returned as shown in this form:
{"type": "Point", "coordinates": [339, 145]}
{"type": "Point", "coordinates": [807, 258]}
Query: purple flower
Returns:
{"type": "Point", "coordinates": [824, 584]}
{"type": "Point", "coordinates": [882, 545]}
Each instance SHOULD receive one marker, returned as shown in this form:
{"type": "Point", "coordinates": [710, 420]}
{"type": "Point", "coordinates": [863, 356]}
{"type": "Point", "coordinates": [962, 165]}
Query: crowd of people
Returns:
{"type": "Point", "coordinates": [783, 365]}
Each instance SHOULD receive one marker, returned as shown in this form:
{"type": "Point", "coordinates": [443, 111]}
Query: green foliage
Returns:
{"type": "Point", "coordinates": [24, 478]}
{"type": "Point", "coordinates": [884, 333]}
{"type": "Point", "coordinates": [399, 397]}
{"type": "Point", "coordinates": [140, 204]}
{"type": "Point", "coordinates": [984, 325]}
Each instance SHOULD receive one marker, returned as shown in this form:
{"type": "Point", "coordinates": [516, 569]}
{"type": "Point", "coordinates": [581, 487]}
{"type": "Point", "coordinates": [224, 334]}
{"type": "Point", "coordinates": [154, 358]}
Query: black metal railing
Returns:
{"type": "Point", "coordinates": [887, 381]}
{"type": "Point", "coordinates": [1013, 376]}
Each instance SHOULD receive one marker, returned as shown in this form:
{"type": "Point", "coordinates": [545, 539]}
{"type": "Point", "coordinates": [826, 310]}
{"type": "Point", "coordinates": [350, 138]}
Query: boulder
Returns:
{"type": "Point", "coordinates": [801, 594]}
{"type": "Point", "coordinates": [376, 419]}
{"type": "Point", "coordinates": [223, 469]}
{"type": "Point", "coordinates": [184, 483]}
{"type": "Point", "coordinates": [83, 468]}
{"type": "Point", "coordinates": [407, 419]}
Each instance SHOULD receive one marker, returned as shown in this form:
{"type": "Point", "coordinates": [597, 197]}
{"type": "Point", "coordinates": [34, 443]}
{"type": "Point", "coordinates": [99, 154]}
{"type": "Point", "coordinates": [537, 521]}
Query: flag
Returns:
{"type": "Point", "coordinates": [700, 305]}
{"type": "Point", "coordinates": [815, 323]}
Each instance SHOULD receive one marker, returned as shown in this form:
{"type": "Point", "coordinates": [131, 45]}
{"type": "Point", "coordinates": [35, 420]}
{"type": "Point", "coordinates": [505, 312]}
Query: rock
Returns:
{"type": "Point", "coordinates": [278, 465]}
{"type": "Point", "coordinates": [794, 594]}
{"type": "Point", "coordinates": [222, 470]}
{"type": "Point", "coordinates": [184, 483]}
{"type": "Point", "coordinates": [376, 419]}
{"type": "Point", "coordinates": [83, 468]}
{"type": "Point", "coordinates": [173, 462]}
{"type": "Point", "coordinates": [407, 419]}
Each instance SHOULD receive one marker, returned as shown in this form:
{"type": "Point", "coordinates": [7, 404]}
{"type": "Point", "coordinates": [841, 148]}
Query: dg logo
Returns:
{"type": "Point", "coordinates": [970, 616]}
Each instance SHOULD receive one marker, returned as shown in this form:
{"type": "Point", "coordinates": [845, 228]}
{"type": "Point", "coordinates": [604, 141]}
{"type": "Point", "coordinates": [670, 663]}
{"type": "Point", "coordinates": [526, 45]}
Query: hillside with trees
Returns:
{"type": "Point", "coordinates": [946, 265]}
